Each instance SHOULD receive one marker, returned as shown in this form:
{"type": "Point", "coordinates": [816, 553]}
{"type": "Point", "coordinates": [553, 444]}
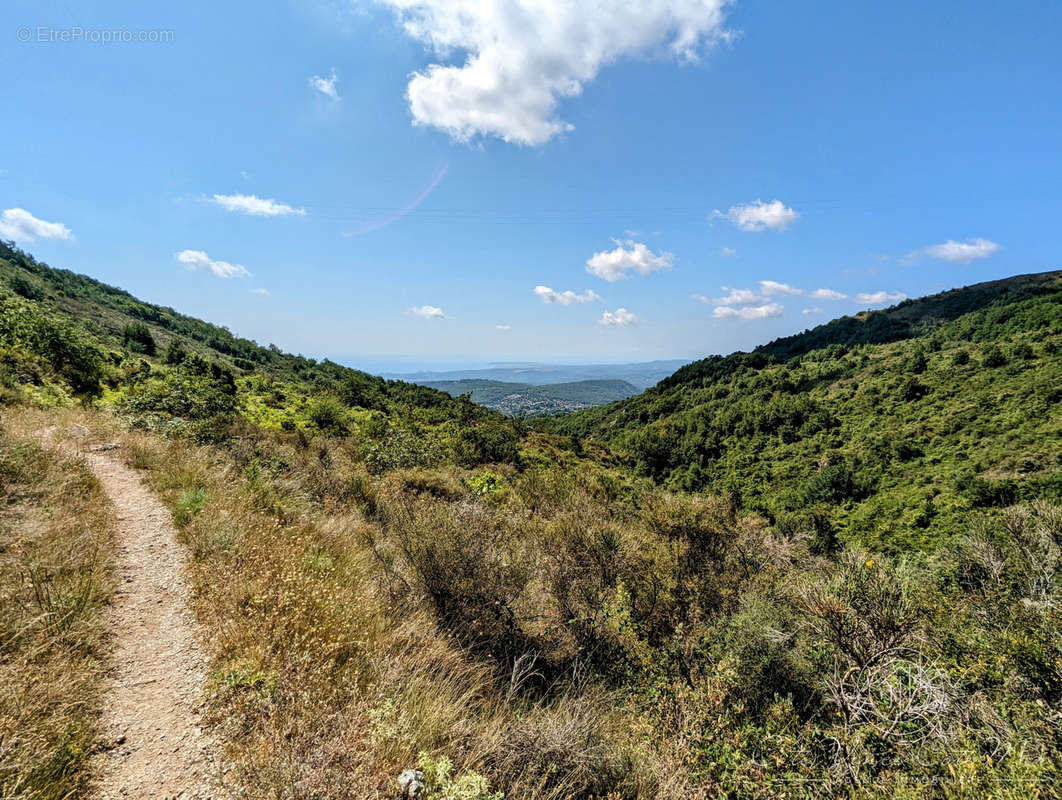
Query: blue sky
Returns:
{"type": "Point", "coordinates": [638, 158]}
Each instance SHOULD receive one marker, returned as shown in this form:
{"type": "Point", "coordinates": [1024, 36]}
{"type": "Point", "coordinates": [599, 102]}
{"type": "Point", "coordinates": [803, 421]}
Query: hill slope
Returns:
{"type": "Point", "coordinates": [892, 423]}
{"type": "Point", "coordinates": [529, 400]}
{"type": "Point", "coordinates": [556, 627]}
{"type": "Point", "coordinates": [63, 335]}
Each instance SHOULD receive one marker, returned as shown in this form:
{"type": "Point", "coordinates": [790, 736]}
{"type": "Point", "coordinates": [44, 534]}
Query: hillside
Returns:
{"type": "Point", "coordinates": [886, 427]}
{"type": "Point", "coordinates": [529, 400]}
{"type": "Point", "coordinates": [64, 334]}
{"type": "Point", "coordinates": [774, 571]}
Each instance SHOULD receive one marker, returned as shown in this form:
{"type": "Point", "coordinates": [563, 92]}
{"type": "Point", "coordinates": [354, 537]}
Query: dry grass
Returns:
{"type": "Point", "coordinates": [56, 557]}
{"type": "Point", "coordinates": [325, 682]}
{"type": "Point", "coordinates": [565, 637]}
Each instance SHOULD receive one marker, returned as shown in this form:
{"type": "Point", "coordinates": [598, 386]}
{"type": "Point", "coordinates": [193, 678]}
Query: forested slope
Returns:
{"type": "Point", "coordinates": [887, 427]}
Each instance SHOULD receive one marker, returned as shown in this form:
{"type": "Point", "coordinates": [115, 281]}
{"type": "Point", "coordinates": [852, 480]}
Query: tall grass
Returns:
{"type": "Point", "coordinates": [56, 576]}
{"type": "Point", "coordinates": [565, 631]}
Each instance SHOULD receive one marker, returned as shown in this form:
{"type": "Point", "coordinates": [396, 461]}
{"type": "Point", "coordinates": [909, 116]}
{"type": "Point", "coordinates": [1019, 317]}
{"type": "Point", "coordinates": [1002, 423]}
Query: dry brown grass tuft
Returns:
{"type": "Point", "coordinates": [327, 681]}
{"type": "Point", "coordinates": [56, 558]}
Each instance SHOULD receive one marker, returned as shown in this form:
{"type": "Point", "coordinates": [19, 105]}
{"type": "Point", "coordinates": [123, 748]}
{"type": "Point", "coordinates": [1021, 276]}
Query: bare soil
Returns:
{"type": "Point", "coordinates": [156, 746]}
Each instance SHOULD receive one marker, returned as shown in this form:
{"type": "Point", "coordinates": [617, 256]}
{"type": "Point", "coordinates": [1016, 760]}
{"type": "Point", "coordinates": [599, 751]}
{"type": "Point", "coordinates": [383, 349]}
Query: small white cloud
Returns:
{"type": "Point", "coordinates": [759, 216]}
{"type": "Point", "coordinates": [750, 312]}
{"type": "Point", "coordinates": [520, 59]}
{"type": "Point", "coordinates": [774, 287]}
{"type": "Point", "coordinates": [620, 316]}
{"type": "Point", "coordinates": [961, 252]}
{"type": "Point", "coordinates": [811, 311]}
{"type": "Point", "coordinates": [728, 252]}
{"type": "Point", "coordinates": [734, 297]}
{"type": "Point", "coordinates": [21, 226]}
{"type": "Point", "coordinates": [503, 327]}
{"type": "Point", "coordinates": [326, 86]}
{"type": "Point", "coordinates": [877, 298]}
{"type": "Point", "coordinates": [828, 294]}
{"type": "Point", "coordinates": [629, 256]}
{"type": "Point", "coordinates": [566, 298]}
{"type": "Point", "coordinates": [261, 291]}
{"type": "Point", "coordinates": [256, 206]}
{"type": "Point", "coordinates": [428, 312]}
{"type": "Point", "coordinates": [199, 261]}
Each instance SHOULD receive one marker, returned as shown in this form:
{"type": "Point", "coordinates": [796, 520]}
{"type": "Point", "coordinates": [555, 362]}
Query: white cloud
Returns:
{"type": "Point", "coordinates": [21, 226]}
{"type": "Point", "coordinates": [629, 256]}
{"type": "Point", "coordinates": [620, 316]}
{"type": "Point", "coordinates": [428, 312]}
{"type": "Point", "coordinates": [521, 57]}
{"type": "Point", "coordinates": [261, 291]}
{"type": "Point", "coordinates": [774, 287]}
{"type": "Point", "coordinates": [566, 298]}
{"type": "Point", "coordinates": [750, 312]}
{"type": "Point", "coordinates": [877, 298]}
{"type": "Point", "coordinates": [503, 327]}
{"type": "Point", "coordinates": [256, 206]}
{"type": "Point", "coordinates": [199, 261]}
{"type": "Point", "coordinates": [759, 216]}
{"type": "Point", "coordinates": [828, 294]}
{"type": "Point", "coordinates": [734, 297]}
{"type": "Point", "coordinates": [811, 311]}
{"type": "Point", "coordinates": [728, 252]}
{"type": "Point", "coordinates": [326, 86]}
{"type": "Point", "coordinates": [961, 252]}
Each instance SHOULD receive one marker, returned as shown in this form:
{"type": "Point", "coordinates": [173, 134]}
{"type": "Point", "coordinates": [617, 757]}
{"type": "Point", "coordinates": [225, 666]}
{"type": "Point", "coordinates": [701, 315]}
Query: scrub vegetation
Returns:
{"type": "Point", "coordinates": [831, 566]}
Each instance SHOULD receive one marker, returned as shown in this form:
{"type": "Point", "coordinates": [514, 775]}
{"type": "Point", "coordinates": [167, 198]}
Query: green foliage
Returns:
{"type": "Point", "coordinates": [38, 343]}
{"type": "Point", "coordinates": [58, 339]}
{"type": "Point", "coordinates": [189, 505]}
{"type": "Point", "coordinates": [327, 414]}
{"type": "Point", "coordinates": [932, 422]}
{"type": "Point", "coordinates": [441, 784]}
{"type": "Point", "coordinates": [993, 358]}
{"type": "Point", "coordinates": [137, 337]}
{"type": "Point", "coordinates": [175, 352]}
{"type": "Point", "coordinates": [485, 484]}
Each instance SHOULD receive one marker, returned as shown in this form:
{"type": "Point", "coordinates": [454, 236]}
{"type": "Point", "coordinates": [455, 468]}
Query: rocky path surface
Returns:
{"type": "Point", "coordinates": [156, 747]}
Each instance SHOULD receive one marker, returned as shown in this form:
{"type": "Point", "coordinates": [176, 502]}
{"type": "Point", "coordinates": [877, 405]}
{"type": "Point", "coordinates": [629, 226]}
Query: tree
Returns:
{"type": "Point", "coordinates": [137, 337]}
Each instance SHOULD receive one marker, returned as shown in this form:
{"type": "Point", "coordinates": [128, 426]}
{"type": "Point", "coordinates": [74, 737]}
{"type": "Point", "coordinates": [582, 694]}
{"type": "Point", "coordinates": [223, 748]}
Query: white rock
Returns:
{"type": "Point", "coordinates": [411, 784]}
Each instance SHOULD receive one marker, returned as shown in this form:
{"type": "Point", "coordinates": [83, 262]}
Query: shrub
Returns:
{"type": "Point", "coordinates": [913, 390]}
{"type": "Point", "coordinates": [993, 357]}
{"type": "Point", "coordinates": [485, 484]}
{"type": "Point", "coordinates": [175, 352]}
{"type": "Point", "coordinates": [64, 348]}
{"type": "Point", "coordinates": [836, 483]}
{"type": "Point", "coordinates": [441, 784]}
{"type": "Point", "coordinates": [327, 414]}
{"type": "Point", "coordinates": [24, 288]}
{"type": "Point", "coordinates": [137, 337]}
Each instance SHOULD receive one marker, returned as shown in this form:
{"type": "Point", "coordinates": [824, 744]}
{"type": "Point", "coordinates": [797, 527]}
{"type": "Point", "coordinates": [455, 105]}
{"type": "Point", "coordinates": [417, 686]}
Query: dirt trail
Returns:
{"type": "Point", "coordinates": [157, 748]}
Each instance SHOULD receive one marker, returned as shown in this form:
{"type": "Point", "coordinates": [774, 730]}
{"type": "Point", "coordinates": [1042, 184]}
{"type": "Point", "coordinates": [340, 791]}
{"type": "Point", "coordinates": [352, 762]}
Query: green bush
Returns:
{"type": "Point", "coordinates": [137, 337]}
{"type": "Point", "coordinates": [64, 347]}
{"type": "Point", "coordinates": [327, 414]}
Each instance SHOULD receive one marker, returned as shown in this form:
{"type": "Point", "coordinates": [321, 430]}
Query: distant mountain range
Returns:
{"type": "Point", "coordinates": [641, 375]}
{"type": "Point", "coordinates": [529, 400]}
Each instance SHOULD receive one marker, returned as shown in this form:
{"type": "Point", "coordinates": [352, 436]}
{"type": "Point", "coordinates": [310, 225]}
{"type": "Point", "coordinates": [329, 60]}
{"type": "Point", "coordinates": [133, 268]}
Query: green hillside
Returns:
{"type": "Point", "coordinates": [829, 567]}
{"type": "Point", "coordinates": [64, 335]}
{"type": "Point", "coordinates": [886, 427]}
{"type": "Point", "coordinates": [531, 400]}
